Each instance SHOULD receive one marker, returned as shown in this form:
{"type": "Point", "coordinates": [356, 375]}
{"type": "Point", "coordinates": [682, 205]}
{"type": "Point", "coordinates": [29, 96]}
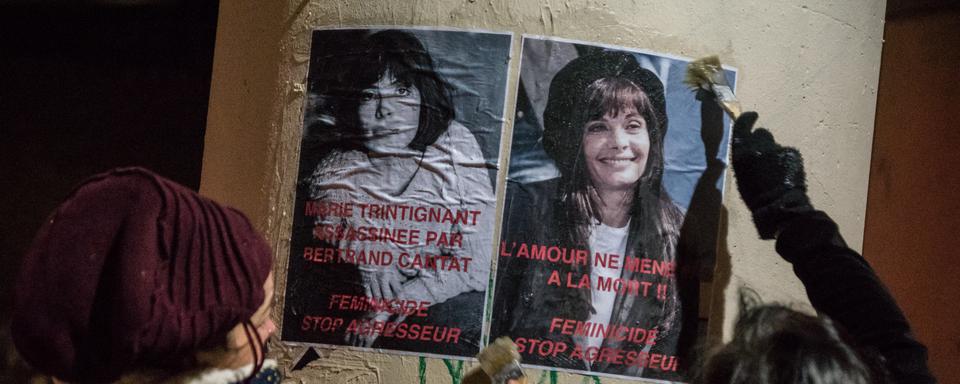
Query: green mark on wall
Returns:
{"type": "Point", "coordinates": [551, 375]}
{"type": "Point", "coordinates": [455, 369]}
{"type": "Point", "coordinates": [423, 370]}
{"type": "Point", "coordinates": [591, 380]}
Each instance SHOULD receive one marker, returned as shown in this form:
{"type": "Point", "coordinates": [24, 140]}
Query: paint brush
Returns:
{"type": "Point", "coordinates": [499, 364]}
{"type": "Point", "coordinates": [707, 74]}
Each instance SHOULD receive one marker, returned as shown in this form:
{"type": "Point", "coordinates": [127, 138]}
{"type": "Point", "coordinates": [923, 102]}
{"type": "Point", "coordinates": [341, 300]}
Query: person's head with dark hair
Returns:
{"type": "Point", "coordinates": [604, 126]}
{"type": "Point", "coordinates": [134, 274]}
{"type": "Point", "coordinates": [775, 344]}
{"type": "Point", "coordinates": [384, 93]}
{"type": "Point", "coordinates": [592, 87]}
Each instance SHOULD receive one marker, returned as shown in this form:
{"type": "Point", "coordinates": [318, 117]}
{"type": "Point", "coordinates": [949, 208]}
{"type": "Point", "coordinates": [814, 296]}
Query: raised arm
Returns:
{"type": "Point", "coordinates": [838, 280]}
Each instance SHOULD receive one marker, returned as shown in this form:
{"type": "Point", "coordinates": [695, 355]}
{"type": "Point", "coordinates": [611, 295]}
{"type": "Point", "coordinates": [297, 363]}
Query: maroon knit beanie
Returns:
{"type": "Point", "coordinates": [134, 270]}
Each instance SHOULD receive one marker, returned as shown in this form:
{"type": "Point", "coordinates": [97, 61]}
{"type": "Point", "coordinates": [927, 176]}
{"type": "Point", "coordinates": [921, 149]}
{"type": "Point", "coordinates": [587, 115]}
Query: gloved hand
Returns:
{"type": "Point", "coordinates": [770, 176]}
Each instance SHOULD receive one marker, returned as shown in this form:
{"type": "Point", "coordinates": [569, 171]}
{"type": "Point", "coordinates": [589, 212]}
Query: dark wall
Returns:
{"type": "Point", "coordinates": [87, 87]}
{"type": "Point", "coordinates": [913, 211]}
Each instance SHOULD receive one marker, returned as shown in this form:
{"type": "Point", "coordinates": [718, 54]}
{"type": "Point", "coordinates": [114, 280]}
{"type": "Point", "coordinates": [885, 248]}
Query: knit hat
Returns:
{"type": "Point", "coordinates": [568, 91]}
{"type": "Point", "coordinates": [134, 270]}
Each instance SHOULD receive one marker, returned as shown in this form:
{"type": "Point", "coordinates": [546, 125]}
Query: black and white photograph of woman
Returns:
{"type": "Point", "coordinates": [394, 223]}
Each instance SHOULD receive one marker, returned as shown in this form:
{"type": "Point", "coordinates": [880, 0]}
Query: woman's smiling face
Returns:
{"type": "Point", "coordinates": [615, 149]}
{"type": "Point", "coordinates": [389, 115]}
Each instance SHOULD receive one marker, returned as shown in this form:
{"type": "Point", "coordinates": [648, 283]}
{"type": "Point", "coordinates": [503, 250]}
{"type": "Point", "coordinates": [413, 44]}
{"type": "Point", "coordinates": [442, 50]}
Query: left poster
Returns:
{"type": "Point", "coordinates": [393, 222]}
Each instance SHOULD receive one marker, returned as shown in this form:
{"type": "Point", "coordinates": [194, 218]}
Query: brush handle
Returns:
{"type": "Point", "coordinates": [728, 101]}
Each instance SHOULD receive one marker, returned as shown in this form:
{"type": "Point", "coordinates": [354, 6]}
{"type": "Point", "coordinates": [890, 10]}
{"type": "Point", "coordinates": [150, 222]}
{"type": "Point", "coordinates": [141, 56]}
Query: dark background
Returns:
{"type": "Point", "coordinates": [910, 232]}
{"type": "Point", "coordinates": [87, 86]}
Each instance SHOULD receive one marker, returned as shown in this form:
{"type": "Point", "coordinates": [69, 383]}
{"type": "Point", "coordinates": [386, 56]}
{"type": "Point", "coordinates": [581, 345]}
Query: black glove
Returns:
{"type": "Point", "coordinates": [770, 176]}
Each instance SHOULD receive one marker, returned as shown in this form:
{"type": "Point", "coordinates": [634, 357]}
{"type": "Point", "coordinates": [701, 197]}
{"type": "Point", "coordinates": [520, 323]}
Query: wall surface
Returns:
{"type": "Point", "coordinates": [912, 208]}
{"type": "Point", "coordinates": [810, 68]}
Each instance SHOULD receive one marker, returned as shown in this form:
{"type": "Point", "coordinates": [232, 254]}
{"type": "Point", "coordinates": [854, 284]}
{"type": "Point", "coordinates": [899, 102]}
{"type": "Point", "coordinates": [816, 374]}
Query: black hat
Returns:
{"type": "Point", "coordinates": [568, 93]}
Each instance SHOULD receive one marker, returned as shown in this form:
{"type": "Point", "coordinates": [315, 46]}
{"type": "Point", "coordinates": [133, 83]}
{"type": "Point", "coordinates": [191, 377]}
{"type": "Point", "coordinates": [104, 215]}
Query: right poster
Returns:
{"type": "Point", "coordinates": [611, 212]}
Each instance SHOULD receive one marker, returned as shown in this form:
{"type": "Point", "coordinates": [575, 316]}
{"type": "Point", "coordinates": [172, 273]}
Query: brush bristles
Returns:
{"type": "Point", "coordinates": [704, 72]}
{"type": "Point", "coordinates": [707, 74]}
{"type": "Point", "coordinates": [498, 355]}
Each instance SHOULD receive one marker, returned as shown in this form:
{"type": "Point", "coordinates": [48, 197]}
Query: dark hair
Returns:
{"type": "Point", "coordinates": [590, 87]}
{"type": "Point", "coordinates": [773, 343]}
{"type": "Point", "coordinates": [337, 87]}
{"type": "Point", "coordinates": [582, 90]}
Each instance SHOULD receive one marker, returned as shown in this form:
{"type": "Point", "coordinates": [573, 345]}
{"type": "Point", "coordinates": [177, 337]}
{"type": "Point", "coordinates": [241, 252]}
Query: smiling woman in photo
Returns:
{"type": "Point", "coordinates": [604, 127]}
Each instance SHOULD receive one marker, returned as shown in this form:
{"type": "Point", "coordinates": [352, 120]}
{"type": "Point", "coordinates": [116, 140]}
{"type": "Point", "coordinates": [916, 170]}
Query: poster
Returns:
{"type": "Point", "coordinates": [394, 217]}
{"type": "Point", "coordinates": [610, 213]}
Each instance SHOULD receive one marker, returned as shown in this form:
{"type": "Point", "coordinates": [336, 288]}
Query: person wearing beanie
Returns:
{"type": "Point", "coordinates": [135, 278]}
{"type": "Point", "coordinates": [860, 335]}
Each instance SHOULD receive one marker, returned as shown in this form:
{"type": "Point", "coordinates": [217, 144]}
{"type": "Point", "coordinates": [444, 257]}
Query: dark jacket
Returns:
{"type": "Point", "coordinates": [841, 285]}
{"type": "Point", "coordinates": [525, 304]}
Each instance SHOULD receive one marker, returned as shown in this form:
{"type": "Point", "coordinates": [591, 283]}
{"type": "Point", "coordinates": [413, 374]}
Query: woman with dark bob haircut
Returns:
{"type": "Point", "coordinates": [343, 88]}
{"type": "Point", "coordinates": [397, 143]}
{"type": "Point", "coordinates": [604, 126]}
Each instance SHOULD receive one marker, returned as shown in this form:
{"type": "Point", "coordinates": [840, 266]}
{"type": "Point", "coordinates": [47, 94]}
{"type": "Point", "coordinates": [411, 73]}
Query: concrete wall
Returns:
{"type": "Point", "coordinates": [810, 68]}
